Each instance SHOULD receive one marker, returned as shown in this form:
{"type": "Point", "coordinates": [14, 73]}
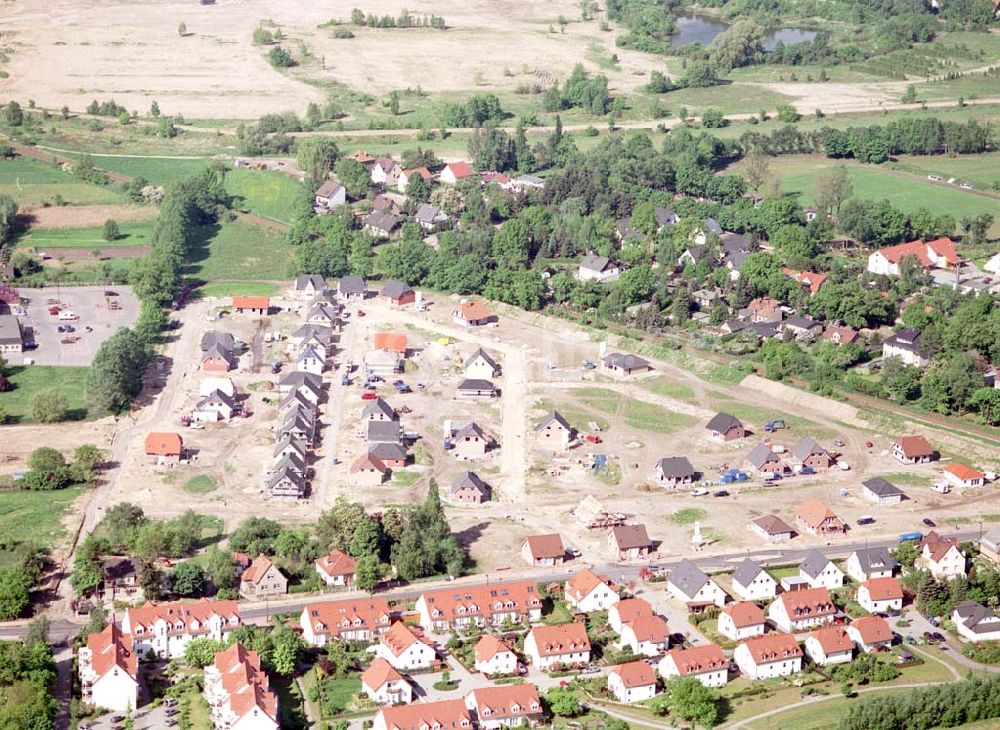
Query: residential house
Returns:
{"type": "Point", "coordinates": [367, 471]}
{"type": "Point", "coordinates": [405, 649]}
{"type": "Point", "coordinates": [632, 682]}
{"type": "Point", "coordinates": [871, 562]}
{"type": "Point", "coordinates": [974, 622]}
{"type": "Point", "coordinates": [629, 542]}
{"type": "Point", "coordinates": [941, 556]}
{"type": "Point", "coordinates": [382, 223]}
{"type": "Point", "coordinates": [440, 715]}
{"type": "Point", "coordinates": [839, 335]}
{"type": "Point", "coordinates": [625, 610]}
{"type": "Point", "coordinates": [989, 546]}
{"type": "Point", "coordinates": [939, 253]}
{"type": "Point", "coordinates": [262, 579]}
{"type": "Point", "coordinates": [238, 691]}
{"type": "Point", "coordinates": [618, 363]}
{"type": "Point", "coordinates": [164, 447]}
{"type": "Point", "coordinates": [598, 268]}
{"type": "Point", "coordinates": [308, 286]}
{"type": "Point", "coordinates": [480, 365]}
{"type": "Point", "coordinates": [352, 289]}
{"type": "Point", "coordinates": [214, 407]}
{"type": "Point", "coordinates": [672, 471]}
{"type": "Point", "coordinates": [912, 450]}
{"type": "Point", "coordinates": [801, 610]}
{"type": "Point", "coordinates": [820, 572]}
{"type": "Point", "coordinates": [495, 178]}
{"type": "Point", "coordinates": [752, 583]}
{"type": "Point", "coordinates": [381, 683]}
{"type": "Point", "coordinates": [690, 584]}
{"type": "Point", "coordinates": [336, 569]}
{"type": "Point", "coordinates": [397, 293]}
{"type": "Point", "coordinates": [471, 442]}
{"type": "Point", "coordinates": [310, 360]}
{"type": "Point", "coordinates": [962, 475]}
{"type": "Point", "coordinates": [870, 633]}
{"type": "Point", "coordinates": [665, 217]}
{"type": "Point", "coordinates": [217, 360]}
{"type": "Point", "coordinates": [479, 605]}
{"type": "Point", "coordinates": [109, 671]}
{"type": "Point", "coordinates": [209, 385]}
{"type": "Point", "coordinates": [329, 195]}
{"type": "Point", "coordinates": [403, 181]}
{"type": "Point", "coordinates": [817, 519]}
{"type": "Point", "coordinates": [772, 655]}
{"type": "Point", "coordinates": [725, 427]}
{"type": "Point", "coordinates": [523, 183]}
{"type": "Point", "coordinates": [543, 550]}
{"type": "Point", "coordinates": [709, 227]}
{"type": "Point", "coordinates": [394, 342]}
{"type": "Point", "coordinates": [383, 432]}
{"type": "Point", "coordinates": [810, 281]}
{"type": "Point", "coordinates": [881, 491]}
{"type": "Point", "coordinates": [385, 171]}
{"type": "Point", "coordinates": [382, 363]}
{"type": "Point", "coordinates": [474, 388]}
{"type": "Point", "coordinates": [707, 664]}
{"type": "Point", "coordinates": [764, 309]}
{"type": "Point", "coordinates": [880, 595]}
{"type": "Point", "coordinates": [430, 217]}
{"type": "Point", "coordinates": [455, 172]}
{"type": "Point", "coordinates": [762, 460]}
{"type": "Point", "coordinates": [585, 591]}
{"type": "Point", "coordinates": [803, 329]}
{"type": "Point", "coordinates": [286, 483]}
{"type": "Point", "coordinates": [494, 658]}
{"type": "Point", "coordinates": [379, 410]}
{"type": "Point", "coordinates": [829, 645]}
{"type": "Point", "coordinates": [705, 299]}
{"type": "Point", "coordinates": [167, 628]}
{"type": "Point", "coordinates": [505, 706]}
{"type": "Point", "coordinates": [11, 335]}
{"type": "Point", "coordinates": [809, 453]}
{"type": "Point", "coordinates": [472, 314]}
{"type": "Point", "coordinates": [469, 488]}
{"type": "Point", "coordinates": [362, 619]}
{"type": "Point", "coordinates": [554, 432]}
{"type": "Point", "coordinates": [549, 647]}
{"type": "Point", "coordinates": [741, 620]}
{"type": "Point", "coordinates": [772, 528]}
{"type": "Point", "coordinates": [250, 304]}
{"type": "Point", "coordinates": [322, 314]}
{"type": "Point", "coordinates": [905, 344]}
{"type": "Point", "coordinates": [646, 635]}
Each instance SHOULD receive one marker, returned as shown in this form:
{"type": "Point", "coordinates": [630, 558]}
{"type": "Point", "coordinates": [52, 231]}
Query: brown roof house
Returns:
{"type": "Point", "coordinates": [725, 427]}
{"type": "Point", "coordinates": [336, 569]}
{"type": "Point", "coordinates": [121, 579]}
{"type": "Point", "coordinates": [262, 580]}
{"type": "Point", "coordinates": [251, 304]}
{"type": "Point", "coordinates": [367, 471]}
{"type": "Point", "coordinates": [817, 519]}
{"type": "Point", "coordinates": [772, 528]}
{"type": "Point", "coordinates": [543, 550]}
{"type": "Point", "coordinates": [809, 453]}
{"type": "Point", "coordinates": [164, 447]}
{"type": "Point", "coordinates": [629, 542]}
{"type": "Point", "coordinates": [554, 432]}
{"type": "Point", "coordinates": [471, 442]}
{"type": "Point", "coordinates": [472, 314]}
{"type": "Point", "coordinates": [469, 488]}
{"type": "Point", "coordinates": [913, 450]}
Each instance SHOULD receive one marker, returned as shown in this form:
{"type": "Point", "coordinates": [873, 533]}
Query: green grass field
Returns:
{"type": "Point", "coordinates": [35, 516]}
{"type": "Point", "coordinates": [156, 170]}
{"type": "Point", "coordinates": [267, 194]}
{"type": "Point", "coordinates": [687, 516]}
{"type": "Point", "coordinates": [240, 252]}
{"type": "Point", "coordinates": [670, 389]}
{"type": "Point", "coordinates": [31, 380]}
{"type": "Point", "coordinates": [132, 234]}
{"type": "Point", "coordinates": [650, 417]}
{"type": "Point", "coordinates": [798, 177]}
{"type": "Point", "coordinates": [33, 182]}
{"type": "Point", "coordinates": [25, 170]}
{"type": "Point", "coordinates": [201, 484]}
{"type": "Point", "coordinates": [238, 288]}
{"type": "Point", "coordinates": [982, 170]}
{"type": "Point", "coordinates": [578, 417]}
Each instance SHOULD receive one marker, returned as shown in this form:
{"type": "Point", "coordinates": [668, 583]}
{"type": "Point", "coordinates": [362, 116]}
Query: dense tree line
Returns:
{"type": "Point", "coordinates": [946, 705]}
{"type": "Point", "coordinates": [404, 20]}
{"type": "Point", "coordinates": [27, 681]}
{"type": "Point", "coordinates": [580, 91]}
{"type": "Point", "coordinates": [479, 109]}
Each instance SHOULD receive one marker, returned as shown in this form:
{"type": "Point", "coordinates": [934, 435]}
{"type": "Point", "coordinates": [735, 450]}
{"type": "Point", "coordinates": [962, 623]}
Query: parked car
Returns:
{"type": "Point", "coordinates": [929, 522]}
{"type": "Point", "coordinates": [721, 493]}
{"type": "Point", "coordinates": [866, 520]}
{"type": "Point", "coordinates": [369, 395]}
{"type": "Point", "coordinates": [839, 443]}
{"type": "Point", "coordinates": [699, 492]}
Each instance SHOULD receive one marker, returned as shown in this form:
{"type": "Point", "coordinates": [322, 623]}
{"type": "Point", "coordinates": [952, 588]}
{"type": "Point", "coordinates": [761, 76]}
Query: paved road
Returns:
{"type": "Point", "coordinates": [337, 395]}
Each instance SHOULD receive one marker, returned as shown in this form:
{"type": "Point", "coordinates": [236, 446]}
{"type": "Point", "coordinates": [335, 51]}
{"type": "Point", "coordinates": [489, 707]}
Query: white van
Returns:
{"type": "Point", "coordinates": [67, 314]}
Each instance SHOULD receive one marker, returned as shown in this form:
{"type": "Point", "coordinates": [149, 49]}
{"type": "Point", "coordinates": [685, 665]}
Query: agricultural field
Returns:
{"type": "Point", "coordinates": [239, 252]}
{"type": "Point", "coordinates": [157, 170]}
{"type": "Point", "coordinates": [905, 191]}
{"type": "Point", "coordinates": [32, 182]}
{"type": "Point", "coordinates": [981, 170]}
{"type": "Point", "coordinates": [132, 234]}
{"type": "Point", "coordinates": [270, 195]}
{"type": "Point", "coordinates": [31, 380]}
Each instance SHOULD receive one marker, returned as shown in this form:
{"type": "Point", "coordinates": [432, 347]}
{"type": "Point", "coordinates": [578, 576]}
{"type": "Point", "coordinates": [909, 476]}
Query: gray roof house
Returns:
{"type": "Point", "coordinates": [725, 426]}
{"type": "Point", "coordinates": [712, 226]}
{"type": "Point", "coordinates": [470, 482]}
{"type": "Point", "coordinates": [675, 470]}
{"type": "Point", "coordinates": [975, 619]}
{"type": "Point", "coordinates": [882, 491]}
{"type": "Point", "coordinates": [810, 453]}
{"type": "Point", "coordinates": [761, 458]}
{"type": "Point", "coordinates": [388, 452]}
{"type": "Point", "coordinates": [625, 363]}
{"type": "Point", "coordinates": [352, 287]}
{"type": "Point", "coordinates": [395, 290]}
{"type": "Point", "coordinates": [665, 217]}
{"type": "Point", "coordinates": [871, 562]}
{"type": "Point", "coordinates": [382, 223]}
{"type": "Point", "coordinates": [223, 340]}
{"type": "Point", "coordinates": [379, 410]}
{"type": "Point", "coordinates": [290, 443]}
{"type": "Point", "coordinates": [386, 432]}
{"type": "Point", "coordinates": [430, 217]}
{"type": "Point", "coordinates": [746, 572]}
{"type": "Point", "coordinates": [310, 284]}
{"type": "Point", "coordinates": [689, 583]}
{"type": "Point", "coordinates": [554, 416]}
{"type": "Point", "coordinates": [814, 563]}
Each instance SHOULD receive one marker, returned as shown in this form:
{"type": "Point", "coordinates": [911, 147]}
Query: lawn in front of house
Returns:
{"type": "Point", "coordinates": [30, 380]}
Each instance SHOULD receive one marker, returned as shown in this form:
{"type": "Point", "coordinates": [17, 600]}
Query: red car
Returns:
{"type": "Point", "coordinates": [361, 313]}
{"type": "Point", "coordinates": [369, 395]}
{"type": "Point", "coordinates": [54, 310]}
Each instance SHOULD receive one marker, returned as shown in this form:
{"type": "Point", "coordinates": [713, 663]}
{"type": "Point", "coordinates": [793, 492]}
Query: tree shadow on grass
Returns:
{"type": "Point", "coordinates": [200, 247]}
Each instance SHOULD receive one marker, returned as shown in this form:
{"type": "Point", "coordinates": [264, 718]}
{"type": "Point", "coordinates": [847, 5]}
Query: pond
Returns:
{"type": "Point", "coordinates": [702, 29]}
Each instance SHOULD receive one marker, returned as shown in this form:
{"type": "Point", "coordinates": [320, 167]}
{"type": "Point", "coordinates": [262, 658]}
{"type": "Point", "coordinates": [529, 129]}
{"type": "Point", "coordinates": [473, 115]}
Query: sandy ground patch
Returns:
{"type": "Point", "coordinates": [838, 98]}
{"type": "Point", "coordinates": [84, 216]}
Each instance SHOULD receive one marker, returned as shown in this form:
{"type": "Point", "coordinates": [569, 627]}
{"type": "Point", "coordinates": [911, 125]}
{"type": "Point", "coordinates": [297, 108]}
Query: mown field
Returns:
{"type": "Point", "coordinates": [156, 170]}
{"type": "Point", "coordinates": [983, 170]}
{"type": "Point", "coordinates": [34, 182]}
{"type": "Point", "coordinates": [31, 380]}
{"type": "Point", "coordinates": [132, 234]}
{"type": "Point", "coordinates": [239, 252]}
{"type": "Point", "coordinates": [267, 194]}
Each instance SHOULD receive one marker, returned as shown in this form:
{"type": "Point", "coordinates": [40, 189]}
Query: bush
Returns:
{"type": "Point", "coordinates": [280, 58]}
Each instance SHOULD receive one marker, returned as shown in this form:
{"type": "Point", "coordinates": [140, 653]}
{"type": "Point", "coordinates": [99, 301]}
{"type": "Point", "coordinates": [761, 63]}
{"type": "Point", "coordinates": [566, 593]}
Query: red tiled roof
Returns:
{"type": "Point", "coordinates": [378, 673]}
{"type": "Point", "coordinates": [257, 569]}
{"type": "Point", "coordinates": [937, 546]}
{"type": "Point", "coordinates": [545, 546]}
{"type": "Point", "coordinates": [451, 603]}
{"type": "Point", "coordinates": [964, 471]}
{"type": "Point", "coordinates": [698, 659]}
{"type": "Point", "coordinates": [807, 278]}
{"type": "Point", "coordinates": [160, 443]}
{"type": "Point", "coordinates": [814, 513]}
{"type": "Point", "coordinates": [422, 171]}
{"type": "Point", "coordinates": [391, 341]}
{"type": "Point", "coordinates": [488, 647]}
{"type": "Point", "coordinates": [475, 310]}
{"type": "Point", "coordinates": [833, 639]}
{"type": "Point", "coordinates": [111, 648]}
{"type": "Point", "coordinates": [631, 609]}
{"type": "Point", "coordinates": [251, 302]}
{"type": "Point", "coordinates": [650, 628]}
{"type": "Point", "coordinates": [245, 683]}
{"type": "Point", "coordinates": [943, 247]}
{"type": "Point", "coordinates": [335, 617]}
{"type": "Point", "coordinates": [560, 639]}
{"type": "Point", "coordinates": [883, 589]}
{"type": "Point", "coordinates": [635, 674]}
{"type": "Point", "coordinates": [336, 563]}
{"type": "Point", "coordinates": [772, 648]}
{"type": "Point", "coordinates": [811, 602]}
{"type": "Point", "coordinates": [583, 582]}
{"type": "Point", "coordinates": [915, 446]}
{"type": "Point", "coordinates": [844, 334]}
{"type": "Point", "coordinates": [367, 461]}
{"type": "Point", "coordinates": [446, 714]}
{"type": "Point", "coordinates": [507, 701]}
{"type": "Point", "coordinates": [460, 169]}
{"type": "Point", "coordinates": [872, 629]}
{"type": "Point", "coordinates": [745, 614]}
{"type": "Point", "coordinates": [399, 638]}
{"type": "Point", "coordinates": [200, 611]}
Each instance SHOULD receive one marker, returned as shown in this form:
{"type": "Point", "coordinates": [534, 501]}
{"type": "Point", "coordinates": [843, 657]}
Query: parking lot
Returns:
{"type": "Point", "coordinates": [97, 320]}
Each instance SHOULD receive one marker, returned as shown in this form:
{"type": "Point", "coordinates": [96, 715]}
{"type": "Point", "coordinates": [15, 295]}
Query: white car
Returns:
{"type": "Point", "coordinates": [844, 466]}
{"type": "Point", "coordinates": [699, 492]}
